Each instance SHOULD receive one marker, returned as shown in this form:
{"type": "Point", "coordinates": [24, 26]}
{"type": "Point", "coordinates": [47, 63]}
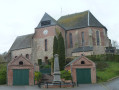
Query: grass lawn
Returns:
{"type": "Point", "coordinates": [109, 72]}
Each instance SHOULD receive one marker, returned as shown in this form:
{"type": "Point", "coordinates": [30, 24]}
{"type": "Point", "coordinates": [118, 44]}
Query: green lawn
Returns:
{"type": "Point", "coordinates": [109, 72]}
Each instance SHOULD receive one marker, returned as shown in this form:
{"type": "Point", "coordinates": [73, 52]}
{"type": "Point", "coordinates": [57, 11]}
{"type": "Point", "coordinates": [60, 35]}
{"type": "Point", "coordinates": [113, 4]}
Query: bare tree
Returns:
{"type": "Point", "coordinates": [115, 44]}
{"type": "Point", "coordinates": [2, 59]}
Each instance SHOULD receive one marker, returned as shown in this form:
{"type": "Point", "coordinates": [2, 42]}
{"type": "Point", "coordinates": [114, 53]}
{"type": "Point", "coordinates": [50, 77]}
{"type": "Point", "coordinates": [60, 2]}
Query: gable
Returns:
{"type": "Point", "coordinates": [16, 61]}
{"type": "Point", "coordinates": [83, 59]}
{"type": "Point", "coordinates": [77, 62]}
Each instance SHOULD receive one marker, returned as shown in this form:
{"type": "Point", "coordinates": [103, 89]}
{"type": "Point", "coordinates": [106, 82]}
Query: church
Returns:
{"type": "Point", "coordinates": [82, 33]}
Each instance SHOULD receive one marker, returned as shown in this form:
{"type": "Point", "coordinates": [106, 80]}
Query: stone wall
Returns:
{"type": "Point", "coordinates": [39, 43]}
{"type": "Point", "coordinates": [38, 46]}
{"type": "Point", "coordinates": [21, 51]}
{"type": "Point", "coordinates": [80, 53]}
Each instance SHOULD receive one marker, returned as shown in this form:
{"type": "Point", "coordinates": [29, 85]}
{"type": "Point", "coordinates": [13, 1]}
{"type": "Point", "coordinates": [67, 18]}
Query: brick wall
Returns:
{"type": "Point", "coordinates": [77, 64]}
{"type": "Point", "coordinates": [14, 64]}
{"type": "Point", "coordinates": [89, 37]}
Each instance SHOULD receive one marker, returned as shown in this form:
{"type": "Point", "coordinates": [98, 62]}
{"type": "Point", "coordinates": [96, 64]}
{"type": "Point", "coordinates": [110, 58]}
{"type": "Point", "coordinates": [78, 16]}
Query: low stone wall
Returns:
{"type": "Point", "coordinates": [58, 86]}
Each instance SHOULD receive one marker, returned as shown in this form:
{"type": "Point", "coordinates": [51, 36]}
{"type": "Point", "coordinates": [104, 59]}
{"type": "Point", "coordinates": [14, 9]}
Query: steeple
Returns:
{"type": "Point", "coordinates": [46, 20]}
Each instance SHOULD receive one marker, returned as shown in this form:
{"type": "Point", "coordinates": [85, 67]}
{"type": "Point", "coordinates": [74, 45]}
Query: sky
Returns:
{"type": "Point", "coordinates": [20, 17]}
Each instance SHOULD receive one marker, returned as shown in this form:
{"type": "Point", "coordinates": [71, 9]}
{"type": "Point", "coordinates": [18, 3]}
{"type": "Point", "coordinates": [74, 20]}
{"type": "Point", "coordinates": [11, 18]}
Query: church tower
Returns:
{"type": "Point", "coordinates": [42, 45]}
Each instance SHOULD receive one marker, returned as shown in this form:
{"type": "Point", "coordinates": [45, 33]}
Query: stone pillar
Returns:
{"type": "Point", "coordinates": [56, 70]}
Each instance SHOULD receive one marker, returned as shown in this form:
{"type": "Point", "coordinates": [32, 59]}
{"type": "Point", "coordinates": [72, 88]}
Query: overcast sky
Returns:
{"type": "Point", "coordinates": [20, 17]}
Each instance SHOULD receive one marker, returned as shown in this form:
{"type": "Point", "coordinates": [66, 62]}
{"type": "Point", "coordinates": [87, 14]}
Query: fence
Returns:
{"type": "Point", "coordinates": [45, 71]}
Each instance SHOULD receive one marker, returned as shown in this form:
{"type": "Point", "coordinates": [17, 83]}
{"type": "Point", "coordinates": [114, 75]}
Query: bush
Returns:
{"type": "Point", "coordinates": [101, 65]}
{"type": "Point", "coordinates": [3, 74]}
{"type": "Point", "coordinates": [66, 75]}
{"type": "Point", "coordinates": [47, 66]}
{"type": "Point", "coordinates": [104, 57]}
{"type": "Point", "coordinates": [38, 76]}
{"type": "Point", "coordinates": [44, 66]}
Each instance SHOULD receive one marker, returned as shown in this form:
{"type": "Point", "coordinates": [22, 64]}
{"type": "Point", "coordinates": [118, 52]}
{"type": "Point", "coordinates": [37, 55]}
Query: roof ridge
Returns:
{"type": "Point", "coordinates": [74, 13]}
{"type": "Point", "coordinates": [25, 35]}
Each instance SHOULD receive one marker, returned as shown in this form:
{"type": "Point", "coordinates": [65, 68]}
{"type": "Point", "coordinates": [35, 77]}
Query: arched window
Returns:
{"type": "Point", "coordinates": [46, 45]}
{"type": "Point", "coordinates": [82, 62]}
{"type": "Point", "coordinates": [27, 56]}
{"type": "Point", "coordinates": [98, 38]}
{"type": "Point", "coordinates": [46, 60]}
{"type": "Point", "coordinates": [82, 36]}
{"type": "Point", "coordinates": [20, 63]}
{"type": "Point", "coordinates": [70, 38]}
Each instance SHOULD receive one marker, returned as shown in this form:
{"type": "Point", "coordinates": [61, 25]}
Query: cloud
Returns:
{"type": "Point", "coordinates": [19, 17]}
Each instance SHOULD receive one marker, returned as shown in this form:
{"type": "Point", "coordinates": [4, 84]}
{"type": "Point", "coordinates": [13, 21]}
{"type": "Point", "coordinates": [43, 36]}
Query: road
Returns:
{"type": "Point", "coordinates": [112, 85]}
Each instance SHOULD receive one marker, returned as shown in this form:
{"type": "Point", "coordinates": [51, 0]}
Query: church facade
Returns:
{"type": "Point", "coordinates": [82, 33]}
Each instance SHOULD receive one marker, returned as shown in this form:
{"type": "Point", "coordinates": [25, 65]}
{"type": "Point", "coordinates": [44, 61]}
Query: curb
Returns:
{"type": "Point", "coordinates": [108, 80]}
{"type": "Point", "coordinates": [113, 78]}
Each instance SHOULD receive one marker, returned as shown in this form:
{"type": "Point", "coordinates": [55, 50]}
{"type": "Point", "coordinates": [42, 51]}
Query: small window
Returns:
{"type": "Point", "coordinates": [43, 23]}
{"type": "Point", "coordinates": [27, 56]}
{"type": "Point", "coordinates": [20, 63]}
{"type": "Point", "coordinates": [15, 56]}
{"type": "Point", "coordinates": [39, 61]}
{"type": "Point", "coordinates": [82, 62]}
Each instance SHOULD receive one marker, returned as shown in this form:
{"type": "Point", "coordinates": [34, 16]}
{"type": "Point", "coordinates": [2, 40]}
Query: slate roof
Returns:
{"type": "Point", "coordinates": [73, 61]}
{"type": "Point", "coordinates": [68, 22]}
{"type": "Point", "coordinates": [83, 49]}
{"type": "Point", "coordinates": [79, 20]}
{"type": "Point", "coordinates": [22, 42]}
{"type": "Point", "coordinates": [45, 18]}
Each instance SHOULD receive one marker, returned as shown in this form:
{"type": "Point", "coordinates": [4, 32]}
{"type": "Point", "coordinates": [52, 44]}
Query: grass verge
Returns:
{"type": "Point", "coordinates": [109, 72]}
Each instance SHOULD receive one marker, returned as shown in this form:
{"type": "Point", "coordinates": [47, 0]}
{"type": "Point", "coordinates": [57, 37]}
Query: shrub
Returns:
{"type": "Point", "coordinates": [44, 66]}
{"type": "Point", "coordinates": [38, 76]}
{"type": "Point", "coordinates": [47, 66]}
{"type": "Point", "coordinates": [101, 65]}
{"type": "Point", "coordinates": [66, 75]}
{"type": "Point", "coordinates": [3, 74]}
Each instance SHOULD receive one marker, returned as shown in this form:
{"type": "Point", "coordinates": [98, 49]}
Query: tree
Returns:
{"type": "Point", "coordinates": [115, 44]}
{"type": "Point", "coordinates": [1, 58]}
{"type": "Point", "coordinates": [59, 48]}
{"type": "Point", "coordinates": [55, 46]}
{"type": "Point", "coordinates": [61, 51]}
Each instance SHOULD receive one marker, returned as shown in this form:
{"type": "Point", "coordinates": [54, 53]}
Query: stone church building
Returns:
{"type": "Point", "coordinates": [82, 33]}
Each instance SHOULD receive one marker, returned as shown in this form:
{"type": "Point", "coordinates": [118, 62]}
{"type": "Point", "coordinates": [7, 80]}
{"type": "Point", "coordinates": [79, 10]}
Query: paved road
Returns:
{"type": "Point", "coordinates": [112, 85]}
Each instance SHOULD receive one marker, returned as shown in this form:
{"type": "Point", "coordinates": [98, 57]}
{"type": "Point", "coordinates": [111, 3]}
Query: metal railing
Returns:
{"type": "Point", "coordinates": [60, 84]}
